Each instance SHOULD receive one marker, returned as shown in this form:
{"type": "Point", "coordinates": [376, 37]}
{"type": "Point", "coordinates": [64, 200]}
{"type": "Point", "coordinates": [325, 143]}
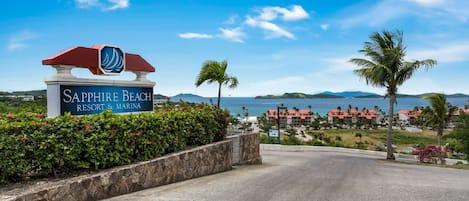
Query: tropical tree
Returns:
{"type": "Point", "coordinates": [461, 133]}
{"type": "Point", "coordinates": [438, 115]}
{"type": "Point", "coordinates": [386, 68]}
{"type": "Point", "coordinates": [214, 71]}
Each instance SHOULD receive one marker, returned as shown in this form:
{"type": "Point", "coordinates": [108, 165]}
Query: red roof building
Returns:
{"type": "Point", "coordinates": [352, 115]}
{"type": "Point", "coordinates": [289, 117]}
{"type": "Point", "coordinates": [408, 117]}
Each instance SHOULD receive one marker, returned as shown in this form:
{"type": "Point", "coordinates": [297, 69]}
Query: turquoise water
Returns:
{"type": "Point", "coordinates": [256, 107]}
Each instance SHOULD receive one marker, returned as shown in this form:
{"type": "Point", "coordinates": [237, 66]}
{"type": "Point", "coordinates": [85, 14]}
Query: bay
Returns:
{"type": "Point", "coordinates": [256, 107]}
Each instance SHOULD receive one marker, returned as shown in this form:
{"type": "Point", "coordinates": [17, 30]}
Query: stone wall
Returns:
{"type": "Point", "coordinates": [246, 149]}
{"type": "Point", "coordinates": [172, 168]}
{"type": "Point", "coordinates": [249, 153]}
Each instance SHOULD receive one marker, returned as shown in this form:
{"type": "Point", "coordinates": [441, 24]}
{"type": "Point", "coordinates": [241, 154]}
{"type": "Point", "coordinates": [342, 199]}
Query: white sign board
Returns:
{"type": "Point", "coordinates": [273, 132]}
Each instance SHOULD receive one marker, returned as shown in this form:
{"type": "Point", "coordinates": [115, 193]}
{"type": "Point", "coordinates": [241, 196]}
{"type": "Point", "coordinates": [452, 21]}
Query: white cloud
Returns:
{"type": "Point", "coordinates": [273, 31]}
{"type": "Point", "coordinates": [268, 14]}
{"type": "Point", "coordinates": [103, 5]}
{"type": "Point", "coordinates": [117, 4]}
{"type": "Point", "coordinates": [190, 35]}
{"type": "Point", "coordinates": [293, 14]}
{"type": "Point", "coordinates": [324, 27]}
{"type": "Point", "coordinates": [235, 35]}
{"type": "Point", "coordinates": [448, 53]}
{"type": "Point", "coordinates": [231, 20]}
{"type": "Point", "coordinates": [20, 40]}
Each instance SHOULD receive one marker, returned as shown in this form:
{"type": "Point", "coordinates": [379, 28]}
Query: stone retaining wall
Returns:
{"type": "Point", "coordinates": [172, 168]}
{"type": "Point", "coordinates": [249, 153]}
{"type": "Point", "coordinates": [246, 149]}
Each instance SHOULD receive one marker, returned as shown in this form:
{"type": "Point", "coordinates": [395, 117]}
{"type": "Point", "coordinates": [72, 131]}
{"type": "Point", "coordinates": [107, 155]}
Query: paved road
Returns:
{"type": "Point", "coordinates": [318, 176]}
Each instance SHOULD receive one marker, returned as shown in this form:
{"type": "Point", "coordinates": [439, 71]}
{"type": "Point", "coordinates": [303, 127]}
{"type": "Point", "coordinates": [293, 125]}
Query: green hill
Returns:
{"type": "Point", "coordinates": [298, 95]}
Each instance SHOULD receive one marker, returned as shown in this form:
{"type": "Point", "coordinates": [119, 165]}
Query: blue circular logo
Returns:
{"type": "Point", "coordinates": [112, 60]}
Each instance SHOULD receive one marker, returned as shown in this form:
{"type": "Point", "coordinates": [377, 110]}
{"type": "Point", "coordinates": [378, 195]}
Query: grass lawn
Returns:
{"type": "Point", "coordinates": [402, 139]}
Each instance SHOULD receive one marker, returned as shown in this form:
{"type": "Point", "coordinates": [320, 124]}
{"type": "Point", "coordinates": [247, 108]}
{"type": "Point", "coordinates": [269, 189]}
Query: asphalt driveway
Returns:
{"type": "Point", "coordinates": [318, 175]}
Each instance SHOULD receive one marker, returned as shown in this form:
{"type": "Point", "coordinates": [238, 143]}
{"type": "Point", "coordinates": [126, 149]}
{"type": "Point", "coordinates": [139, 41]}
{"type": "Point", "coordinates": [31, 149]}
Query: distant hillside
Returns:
{"type": "Point", "coordinates": [326, 96]}
{"type": "Point", "coordinates": [31, 92]}
{"type": "Point", "coordinates": [184, 95]}
{"type": "Point", "coordinates": [285, 95]}
{"type": "Point", "coordinates": [298, 95]}
{"type": "Point", "coordinates": [458, 95]}
{"type": "Point", "coordinates": [349, 94]}
{"type": "Point", "coordinates": [159, 96]}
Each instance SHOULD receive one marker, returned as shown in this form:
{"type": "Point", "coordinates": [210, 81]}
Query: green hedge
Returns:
{"type": "Point", "coordinates": [34, 146]}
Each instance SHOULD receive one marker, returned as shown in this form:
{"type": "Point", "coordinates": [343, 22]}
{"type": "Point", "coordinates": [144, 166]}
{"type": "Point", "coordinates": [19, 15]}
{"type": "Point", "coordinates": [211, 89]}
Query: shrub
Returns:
{"type": "Point", "coordinates": [291, 140]}
{"type": "Point", "coordinates": [338, 138]}
{"type": "Point", "coordinates": [33, 146]}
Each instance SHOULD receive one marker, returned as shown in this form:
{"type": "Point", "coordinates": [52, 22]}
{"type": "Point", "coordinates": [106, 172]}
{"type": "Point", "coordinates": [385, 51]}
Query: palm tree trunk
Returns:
{"type": "Point", "coordinates": [390, 151]}
{"type": "Point", "coordinates": [219, 95]}
{"type": "Point", "coordinates": [440, 134]}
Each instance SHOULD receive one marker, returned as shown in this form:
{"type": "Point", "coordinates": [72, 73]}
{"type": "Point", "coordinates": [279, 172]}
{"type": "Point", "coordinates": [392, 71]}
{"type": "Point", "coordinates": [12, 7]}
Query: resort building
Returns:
{"type": "Point", "coordinates": [352, 116]}
{"type": "Point", "coordinates": [289, 117]}
{"type": "Point", "coordinates": [408, 117]}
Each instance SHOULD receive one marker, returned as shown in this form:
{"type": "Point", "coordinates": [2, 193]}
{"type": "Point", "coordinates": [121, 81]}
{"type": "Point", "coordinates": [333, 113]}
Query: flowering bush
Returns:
{"type": "Point", "coordinates": [429, 153]}
{"type": "Point", "coordinates": [32, 145]}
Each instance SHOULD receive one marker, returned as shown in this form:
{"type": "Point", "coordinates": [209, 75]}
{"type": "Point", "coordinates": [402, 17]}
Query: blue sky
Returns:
{"type": "Point", "coordinates": [271, 46]}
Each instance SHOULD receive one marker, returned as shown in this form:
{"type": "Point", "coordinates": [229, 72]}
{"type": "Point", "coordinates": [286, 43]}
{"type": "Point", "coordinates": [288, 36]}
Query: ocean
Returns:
{"type": "Point", "coordinates": [256, 107]}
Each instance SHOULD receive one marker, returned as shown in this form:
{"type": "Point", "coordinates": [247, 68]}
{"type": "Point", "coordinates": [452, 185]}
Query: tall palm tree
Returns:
{"type": "Point", "coordinates": [439, 114]}
{"type": "Point", "coordinates": [214, 71]}
{"type": "Point", "coordinates": [386, 68]}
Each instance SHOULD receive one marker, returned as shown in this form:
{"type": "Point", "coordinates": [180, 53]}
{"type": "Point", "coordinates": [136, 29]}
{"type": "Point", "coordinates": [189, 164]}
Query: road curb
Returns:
{"type": "Point", "coordinates": [301, 148]}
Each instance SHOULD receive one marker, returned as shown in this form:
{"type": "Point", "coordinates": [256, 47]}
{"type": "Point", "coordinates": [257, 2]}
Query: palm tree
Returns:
{"type": "Point", "coordinates": [438, 115]}
{"type": "Point", "coordinates": [214, 71]}
{"type": "Point", "coordinates": [387, 68]}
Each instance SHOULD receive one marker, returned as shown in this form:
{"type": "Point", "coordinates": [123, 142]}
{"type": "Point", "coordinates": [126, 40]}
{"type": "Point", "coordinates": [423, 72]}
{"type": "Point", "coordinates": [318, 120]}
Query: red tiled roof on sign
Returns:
{"type": "Point", "coordinates": [85, 57]}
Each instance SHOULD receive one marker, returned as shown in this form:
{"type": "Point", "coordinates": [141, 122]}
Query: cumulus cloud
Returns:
{"type": "Point", "coordinates": [106, 5]}
{"type": "Point", "coordinates": [267, 16]}
{"type": "Point", "coordinates": [293, 14]}
{"type": "Point", "coordinates": [264, 20]}
{"type": "Point", "coordinates": [118, 4]}
{"type": "Point", "coordinates": [273, 30]}
{"type": "Point", "coordinates": [191, 35]}
{"type": "Point", "coordinates": [20, 40]}
{"type": "Point", "coordinates": [235, 34]}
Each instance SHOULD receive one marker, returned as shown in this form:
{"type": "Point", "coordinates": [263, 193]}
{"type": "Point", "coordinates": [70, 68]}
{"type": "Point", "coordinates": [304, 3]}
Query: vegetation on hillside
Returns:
{"type": "Point", "coordinates": [7, 105]}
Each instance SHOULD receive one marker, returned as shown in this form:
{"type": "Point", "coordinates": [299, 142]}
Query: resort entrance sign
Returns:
{"type": "Point", "coordinates": [81, 96]}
